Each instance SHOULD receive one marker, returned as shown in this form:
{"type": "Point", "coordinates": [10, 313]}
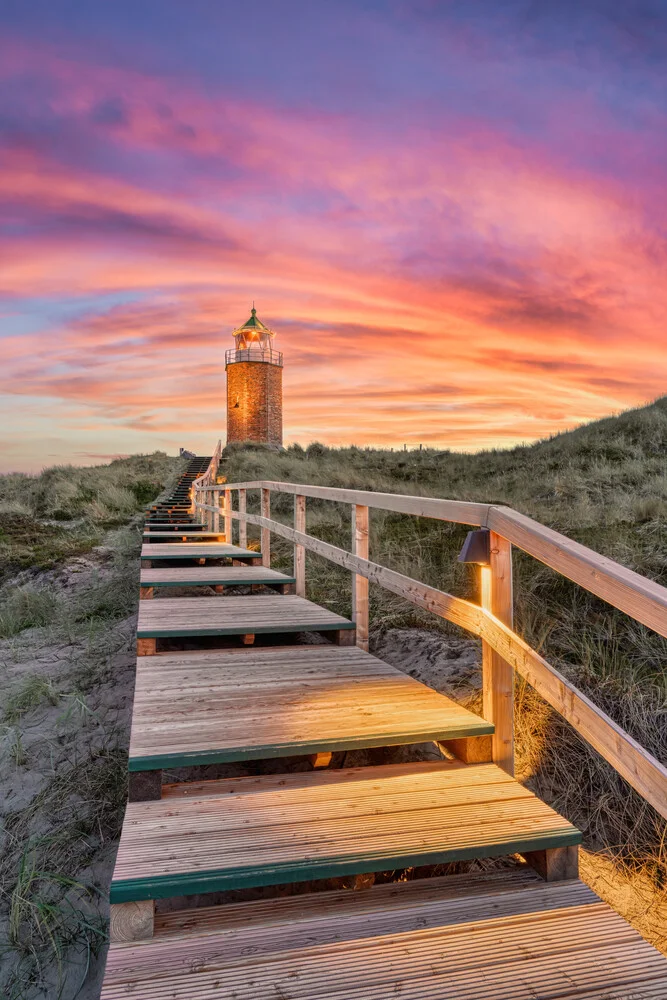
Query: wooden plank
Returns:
{"type": "Point", "coordinates": [209, 576]}
{"type": "Point", "coordinates": [176, 526]}
{"type": "Point", "coordinates": [299, 551]}
{"type": "Point", "coordinates": [387, 904]}
{"type": "Point", "coordinates": [557, 864]}
{"type": "Point", "coordinates": [637, 596]}
{"type": "Point", "coordinates": [265, 543]}
{"type": "Point", "coordinates": [219, 706]}
{"type": "Point", "coordinates": [325, 824]}
{"type": "Point", "coordinates": [360, 548]}
{"type": "Point", "coordinates": [459, 511]}
{"type": "Point", "coordinates": [196, 550]}
{"type": "Point", "coordinates": [555, 942]}
{"type": "Point", "coordinates": [639, 768]}
{"type": "Point", "coordinates": [196, 616]}
{"type": "Point", "coordinates": [228, 520]}
{"type": "Point", "coordinates": [176, 537]}
{"type": "Point", "coordinates": [497, 673]}
{"type": "Point", "coordinates": [243, 528]}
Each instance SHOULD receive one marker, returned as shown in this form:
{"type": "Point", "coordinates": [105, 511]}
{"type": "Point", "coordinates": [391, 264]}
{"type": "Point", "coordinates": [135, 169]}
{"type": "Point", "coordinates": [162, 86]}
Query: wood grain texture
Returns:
{"type": "Point", "coordinates": [183, 616]}
{"type": "Point", "coordinates": [196, 576]}
{"type": "Point", "coordinates": [557, 864]}
{"type": "Point", "coordinates": [131, 921]}
{"type": "Point", "coordinates": [299, 551]}
{"type": "Point", "coordinates": [183, 536]}
{"type": "Point", "coordinates": [243, 528]}
{"type": "Point", "coordinates": [552, 942]}
{"type": "Point", "coordinates": [196, 550]}
{"type": "Point", "coordinates": [461, 512]}
{"type": "Point", "coordinates": [215, 706]}
{"type": "Point", "coordinates": [360, 548]}
{"type": "Point", "coordinates": [640, 769]}
{"type": "Point", "coordinates": [228, 520]}
{"type": "Point", "coordinates": [639, 597]}
{"type": "Point", "coordinates": [175, 526]}
{"type": "Point", "coordinates": [263, 831]}
{"type": "Point", "coordinates": [497, 673]}
{"type": "Point", "coordinates": [265, 543]}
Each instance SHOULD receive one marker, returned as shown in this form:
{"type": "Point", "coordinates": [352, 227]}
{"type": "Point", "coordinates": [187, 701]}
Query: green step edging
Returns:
{"type": "Point", "coordinates": [191, 758]}
{"type": "Point", "coordinates": [242, 629]}
{"type": "Point", "coordinates": [203, 555]}
{"type": "Point", "coordinates": [189, 883]}
{"type": "Point", "coordinates": [240, 582]}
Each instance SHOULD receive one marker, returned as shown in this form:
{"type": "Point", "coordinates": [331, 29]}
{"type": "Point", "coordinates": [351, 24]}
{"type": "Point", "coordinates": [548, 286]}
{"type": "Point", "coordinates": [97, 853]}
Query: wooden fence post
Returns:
{"type": "Point", "coordinates": [243, 527]}
{"type": "Point", "coordinates": [299, 551]}
{"type": "Point", "coordinates": [360, 583]}
{"type": "Point", "coordinates": [266, 532]}
{"type": "Point", "coordinates": [497, 674]}
{"type": "Point", "coordinates": [228, 516]}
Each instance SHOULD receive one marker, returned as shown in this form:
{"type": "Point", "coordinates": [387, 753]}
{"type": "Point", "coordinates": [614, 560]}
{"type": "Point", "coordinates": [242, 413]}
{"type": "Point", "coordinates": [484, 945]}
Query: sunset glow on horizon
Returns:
{"type": "Point", "coordinates": [452, 215]}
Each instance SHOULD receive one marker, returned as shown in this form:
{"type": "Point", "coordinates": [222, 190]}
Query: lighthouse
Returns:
{"type": "Point", "coordinates": [254, 386]}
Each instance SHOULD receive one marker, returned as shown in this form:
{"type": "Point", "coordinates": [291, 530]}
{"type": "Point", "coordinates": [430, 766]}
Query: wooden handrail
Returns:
{"type": "Point", "coordinates": [642, 599]}
{"type": "Point", "coordinates": [459, 511]}
{"type": "Point", "coordinates": [640, 768]}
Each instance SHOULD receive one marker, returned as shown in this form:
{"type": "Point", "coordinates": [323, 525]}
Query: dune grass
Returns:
{"type": "Point", "coordinates": [65, 672]}
{"type": "Point", "coordinates": [66, 509]}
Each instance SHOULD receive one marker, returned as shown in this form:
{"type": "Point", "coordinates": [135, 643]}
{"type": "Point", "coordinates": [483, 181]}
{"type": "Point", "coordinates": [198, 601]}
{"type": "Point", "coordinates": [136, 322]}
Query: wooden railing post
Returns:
{"type": "Point", "coordinates": [497, 673]}
{"type": "Point", "coordinates": [228, 516]}
{"type": "Point", "coordinates": [215, 515]}
{"type": "Point", "coordinates": [266, 532]}
{"type": "Point", "coordinates": [243, 527]}
{"type": "Point", "coordinates": [299, 551]}
{"type": "Point", "coordinates": [360, 583]}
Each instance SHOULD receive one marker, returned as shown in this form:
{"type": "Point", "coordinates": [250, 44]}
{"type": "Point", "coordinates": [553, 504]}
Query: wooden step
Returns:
{"type": "Point", "coordinates": [227, 705]}
{"type": "Point", "coordinates": [212, 576]}
{"type": "Point", "coordinates": [196, 550]}
{"type": "Point", "coordinates": [423, 940]}
{"type": "Point", "coordinates": [182, 536]}
{"type": "Point", "coordinates": [198, 616]}
{"type": "Point", "coordinates": [273, 829]}
{"type": "Point", "coordinates": [175, 526]}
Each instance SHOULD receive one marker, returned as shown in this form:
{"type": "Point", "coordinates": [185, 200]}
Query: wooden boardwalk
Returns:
{"type": "Point", "coordinates": [528, 931]}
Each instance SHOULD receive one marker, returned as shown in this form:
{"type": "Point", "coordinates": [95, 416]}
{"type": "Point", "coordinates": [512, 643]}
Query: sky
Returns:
{"type": "Point", "coordinates": [452, 214]}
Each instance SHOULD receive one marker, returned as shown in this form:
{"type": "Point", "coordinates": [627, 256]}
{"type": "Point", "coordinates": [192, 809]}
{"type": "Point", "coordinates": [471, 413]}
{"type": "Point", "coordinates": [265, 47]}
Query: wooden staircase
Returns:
{"type": "Point", "coordinates": [529, 930]}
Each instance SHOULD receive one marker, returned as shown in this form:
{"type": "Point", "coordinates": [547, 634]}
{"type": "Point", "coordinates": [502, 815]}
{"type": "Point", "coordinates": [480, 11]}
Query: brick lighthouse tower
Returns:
{"type": "Point", "coordinates": [254, 386]}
